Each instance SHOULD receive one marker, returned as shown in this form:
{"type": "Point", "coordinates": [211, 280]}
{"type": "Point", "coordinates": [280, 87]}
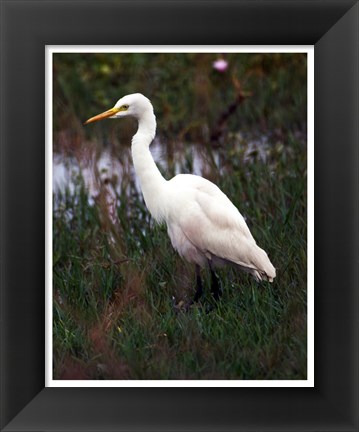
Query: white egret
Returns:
{"type": "Point", "coordinates": [204, 226]}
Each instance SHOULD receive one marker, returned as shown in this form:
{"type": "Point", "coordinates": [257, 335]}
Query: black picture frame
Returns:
{"type": "Point", "coordinates": [26, 27]}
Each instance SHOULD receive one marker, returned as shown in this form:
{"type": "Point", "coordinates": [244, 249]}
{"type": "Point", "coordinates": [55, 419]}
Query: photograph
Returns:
{"type": "Point", "coordinates": [179, 214]}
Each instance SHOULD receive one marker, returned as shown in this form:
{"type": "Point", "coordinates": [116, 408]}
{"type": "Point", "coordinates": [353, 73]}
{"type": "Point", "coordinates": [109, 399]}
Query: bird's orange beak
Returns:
{"type": "Point", "coordinates": [106, 114]}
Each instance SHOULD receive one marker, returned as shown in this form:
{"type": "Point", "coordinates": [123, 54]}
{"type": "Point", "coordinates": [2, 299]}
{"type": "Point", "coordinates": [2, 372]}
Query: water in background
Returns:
{"type": "Point", "coordinates": [114, 172]}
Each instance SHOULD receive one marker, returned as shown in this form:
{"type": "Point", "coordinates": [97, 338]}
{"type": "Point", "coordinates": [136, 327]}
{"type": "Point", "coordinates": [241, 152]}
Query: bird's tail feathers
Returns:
{"type": "Point", "coordinates": [264, 269]}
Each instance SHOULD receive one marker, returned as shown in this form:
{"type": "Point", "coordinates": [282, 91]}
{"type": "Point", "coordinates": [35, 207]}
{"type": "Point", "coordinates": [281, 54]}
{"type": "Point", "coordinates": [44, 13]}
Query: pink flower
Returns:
{"type": "Point", "coordinates": [220, 65]}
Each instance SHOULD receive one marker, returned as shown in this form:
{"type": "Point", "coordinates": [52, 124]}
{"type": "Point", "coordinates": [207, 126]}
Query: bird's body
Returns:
{"type": "Point", "coordinates": [204, 226]}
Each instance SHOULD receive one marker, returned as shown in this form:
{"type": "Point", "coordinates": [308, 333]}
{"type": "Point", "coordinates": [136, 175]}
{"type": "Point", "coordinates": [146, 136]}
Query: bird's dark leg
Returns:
{"type": "Point", "coordinates": [215, 284]}
{"type": "Point", "coordinates": [198, 293]}
{"type": "Point", "coordinates": [199, 285]}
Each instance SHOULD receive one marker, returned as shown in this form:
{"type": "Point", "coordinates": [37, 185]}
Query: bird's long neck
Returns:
{"type": "Point", "coordinates": [153, 185]}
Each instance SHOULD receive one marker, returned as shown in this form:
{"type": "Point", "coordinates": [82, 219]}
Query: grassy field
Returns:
{"type": "Point", "coordinates": [115, 287]}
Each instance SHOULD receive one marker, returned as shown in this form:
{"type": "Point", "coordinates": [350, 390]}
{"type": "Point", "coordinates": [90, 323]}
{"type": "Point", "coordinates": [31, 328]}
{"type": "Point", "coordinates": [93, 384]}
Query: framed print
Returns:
{"type": "Point", "coordinates": [32, 401]}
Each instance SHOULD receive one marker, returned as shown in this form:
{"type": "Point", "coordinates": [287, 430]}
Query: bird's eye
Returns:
{"type": "Point", "coordinates": [125, 107]}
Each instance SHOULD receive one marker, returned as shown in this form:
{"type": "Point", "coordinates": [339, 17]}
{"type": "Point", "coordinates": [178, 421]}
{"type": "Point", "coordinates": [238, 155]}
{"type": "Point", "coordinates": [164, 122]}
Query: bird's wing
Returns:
{"type": "Point", "coordinates": [215, 226]}
{"type": "Point", "coordinates": [210, 221]}
{"type": "Point", "coordinates": [218, 230]}
{"type": "Point", "coordinates": [207, 198]}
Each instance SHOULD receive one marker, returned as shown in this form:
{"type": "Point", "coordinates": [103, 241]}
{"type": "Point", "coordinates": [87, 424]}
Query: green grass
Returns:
{"type": "Point", "coordinates": [113, 304]}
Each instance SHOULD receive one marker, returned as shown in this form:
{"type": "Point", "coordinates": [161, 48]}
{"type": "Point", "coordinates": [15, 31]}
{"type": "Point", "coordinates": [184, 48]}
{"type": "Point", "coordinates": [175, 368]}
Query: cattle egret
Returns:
{"type": "Point", "coordinates": [204, 226]}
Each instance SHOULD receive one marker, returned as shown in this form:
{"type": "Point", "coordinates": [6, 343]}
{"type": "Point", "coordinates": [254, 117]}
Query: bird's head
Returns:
{"type": "Point", "coordinates": [133, 105]}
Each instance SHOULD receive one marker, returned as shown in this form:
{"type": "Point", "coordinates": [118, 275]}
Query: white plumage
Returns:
{"type": "Point", "coordinates": [203, 224]}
